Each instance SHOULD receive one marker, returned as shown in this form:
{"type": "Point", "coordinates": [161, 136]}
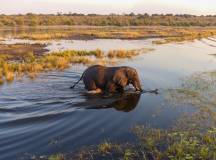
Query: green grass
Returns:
{"type": "Point", "coordinates": [158, 144]}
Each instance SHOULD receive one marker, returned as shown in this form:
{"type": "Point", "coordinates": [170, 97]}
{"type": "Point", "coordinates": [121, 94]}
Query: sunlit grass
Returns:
{"type": "Point", "coordinates": [33, 65]}
{"type": "Point", "coordinates": [122, 53]}
{"type": "Point", "coordinates": [1, 77]}
{"type": "Point", "coordinates": [105, 148]}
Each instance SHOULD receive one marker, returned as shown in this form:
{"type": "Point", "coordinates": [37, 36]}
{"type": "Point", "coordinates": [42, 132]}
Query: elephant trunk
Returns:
{"type": "Point", "coordinates": [137, 85]}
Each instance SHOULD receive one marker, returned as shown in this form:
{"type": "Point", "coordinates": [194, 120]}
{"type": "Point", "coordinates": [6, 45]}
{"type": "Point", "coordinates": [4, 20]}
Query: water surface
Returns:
{"type": "Point", "coordinates": [45, 116]}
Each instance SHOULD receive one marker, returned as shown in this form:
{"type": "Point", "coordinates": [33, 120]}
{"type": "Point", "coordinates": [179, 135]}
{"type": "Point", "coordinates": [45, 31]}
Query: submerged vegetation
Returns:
{"type": "Point", "coordinates": [198, 90]}
{"type": "Point", "coordinates": [31, 64]}
{"type": "Point", "coordinates": [188, 139]}
{"type": "Point", "coordinates": [158, 144]}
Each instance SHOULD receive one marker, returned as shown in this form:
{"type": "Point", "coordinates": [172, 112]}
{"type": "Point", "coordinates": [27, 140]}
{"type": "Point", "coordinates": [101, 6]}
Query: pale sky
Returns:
{"type": "Point", "coordinates": [197, 7]}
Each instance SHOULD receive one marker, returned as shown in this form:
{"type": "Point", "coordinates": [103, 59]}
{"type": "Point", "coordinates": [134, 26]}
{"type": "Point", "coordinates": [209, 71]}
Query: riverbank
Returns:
{"type": "Point", "coordinates": [168, 34]}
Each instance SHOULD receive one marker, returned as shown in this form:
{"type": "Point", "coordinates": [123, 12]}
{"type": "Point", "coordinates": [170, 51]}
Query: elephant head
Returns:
{"type": "Point", "coordinates": [126, 76]}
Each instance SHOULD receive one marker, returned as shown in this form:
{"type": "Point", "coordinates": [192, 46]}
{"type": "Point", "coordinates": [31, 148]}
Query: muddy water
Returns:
{"type": "Point", "coordinates": [45, 116]}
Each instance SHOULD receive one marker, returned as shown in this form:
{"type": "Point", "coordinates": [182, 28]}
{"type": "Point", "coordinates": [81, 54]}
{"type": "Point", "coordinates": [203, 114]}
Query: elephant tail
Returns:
{"type": "Point", "coordinates": [72, 87]}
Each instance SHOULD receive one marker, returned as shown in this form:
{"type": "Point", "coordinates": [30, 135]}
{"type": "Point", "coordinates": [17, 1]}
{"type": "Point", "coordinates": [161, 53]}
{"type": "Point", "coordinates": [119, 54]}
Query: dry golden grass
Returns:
{"type": "Point", "coordinates": [1, 77]}
{"type": "Point", "coordinates": [168, 33]}
{"type": "Point", "coordinates": [122, 53]}
{"type": "Point", "coordinates": [7, 72]}
{"type": "Point", "coordinates": [42, 36]}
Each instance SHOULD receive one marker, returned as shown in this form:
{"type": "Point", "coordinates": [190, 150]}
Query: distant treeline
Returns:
{"type": "Point", "coordinates": [131, 19]}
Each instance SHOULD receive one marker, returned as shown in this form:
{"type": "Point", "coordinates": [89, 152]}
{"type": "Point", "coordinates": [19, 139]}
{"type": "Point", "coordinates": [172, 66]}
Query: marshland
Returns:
{"type": "Point", "coordinates": [42, 118]}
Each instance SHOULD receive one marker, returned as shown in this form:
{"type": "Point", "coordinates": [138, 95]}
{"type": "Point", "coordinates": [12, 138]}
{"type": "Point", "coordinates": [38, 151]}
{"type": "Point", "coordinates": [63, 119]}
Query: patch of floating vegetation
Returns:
{"type": "Point", "coordinates": [127, 53]}
{"type": "Point", "coordinates": [31, 64]}
{"type": "Point", "coordinates": [198, 90]}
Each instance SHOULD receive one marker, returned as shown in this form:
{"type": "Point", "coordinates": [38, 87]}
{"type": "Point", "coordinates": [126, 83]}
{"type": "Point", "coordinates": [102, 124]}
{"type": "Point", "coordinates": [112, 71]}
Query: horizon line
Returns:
{"type": "Point", "coordinates": [109, 14]}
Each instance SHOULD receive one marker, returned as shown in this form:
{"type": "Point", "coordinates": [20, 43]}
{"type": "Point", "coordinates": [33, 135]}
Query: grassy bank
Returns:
{"type": "Point", "coordinates": [168, 34]}
{"type": "Point", "coordinates": [32, 64]}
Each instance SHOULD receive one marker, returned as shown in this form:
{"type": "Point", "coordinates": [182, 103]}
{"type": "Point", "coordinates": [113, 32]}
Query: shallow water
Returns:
{"type": "Point", "coordinates": [45, 116]}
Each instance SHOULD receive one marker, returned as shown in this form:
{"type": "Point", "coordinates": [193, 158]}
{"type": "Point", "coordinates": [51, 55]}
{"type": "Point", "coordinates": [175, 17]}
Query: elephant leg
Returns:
{"type": "Point", "coordinates": [96, 91]}
{"type": "Point", "coordinates": [111, 87]}
{"type": "Point", "coordinates": [90, 85]}
{"type": "Point", "coordinates": [92, 88]}
{"type": "Point", "coordinates": [120, 89]}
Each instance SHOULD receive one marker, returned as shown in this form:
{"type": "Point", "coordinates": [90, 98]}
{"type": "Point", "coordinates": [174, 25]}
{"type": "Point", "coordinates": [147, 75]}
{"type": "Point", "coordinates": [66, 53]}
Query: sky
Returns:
{"type": "Point", "coordinates": [196, 7]}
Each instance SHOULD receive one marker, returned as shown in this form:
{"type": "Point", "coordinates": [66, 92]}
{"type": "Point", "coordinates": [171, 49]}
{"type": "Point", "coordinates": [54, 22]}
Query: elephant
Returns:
{"type": "Point", "coordinates": [102, 79]}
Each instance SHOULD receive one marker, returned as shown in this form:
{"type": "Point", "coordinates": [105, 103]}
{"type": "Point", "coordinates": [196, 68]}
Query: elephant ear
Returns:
{"type": "Point", "coordinates": [120, 78]}
{"type": "Point", "coordinates": [131, 74]}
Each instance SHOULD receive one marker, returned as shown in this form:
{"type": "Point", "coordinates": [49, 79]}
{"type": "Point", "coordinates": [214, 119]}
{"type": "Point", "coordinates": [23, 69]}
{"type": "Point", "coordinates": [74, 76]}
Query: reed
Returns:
{"type": "Point", "coordinates": [122, 53]}
{"type": "Point", "coordinates": [1, 77]}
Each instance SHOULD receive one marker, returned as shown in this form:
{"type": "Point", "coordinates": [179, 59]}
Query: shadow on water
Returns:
{"type": "Point", "coordinates": [125, 102]}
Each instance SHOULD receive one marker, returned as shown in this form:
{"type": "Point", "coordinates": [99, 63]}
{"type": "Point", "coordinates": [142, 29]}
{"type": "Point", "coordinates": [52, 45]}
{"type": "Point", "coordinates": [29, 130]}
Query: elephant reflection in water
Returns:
{"type": "Point", "coordinates": [125, 103]}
